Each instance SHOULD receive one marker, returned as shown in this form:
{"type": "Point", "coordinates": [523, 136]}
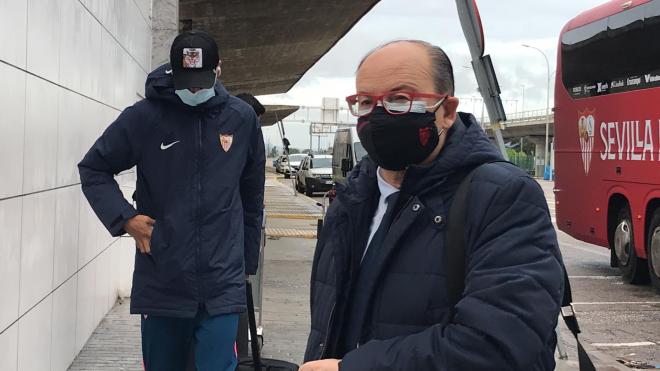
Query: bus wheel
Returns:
{"type": "Point", "coordinates": [633, 269]}
{"type": "Point", "coordinates": [614, 261]}
{"type": "Point", "coordinates": [653, 250]}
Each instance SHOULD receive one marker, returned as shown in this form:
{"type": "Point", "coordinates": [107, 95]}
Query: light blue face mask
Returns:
{"type": "Point", "coordinates": [195, 99]}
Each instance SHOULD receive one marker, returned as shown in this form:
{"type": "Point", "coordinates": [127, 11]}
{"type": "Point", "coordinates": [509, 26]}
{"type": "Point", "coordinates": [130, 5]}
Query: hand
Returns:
{"type": "Point", "coordinates": [322, 365]}
{"type": "Point", "coordinates": [140, 227]}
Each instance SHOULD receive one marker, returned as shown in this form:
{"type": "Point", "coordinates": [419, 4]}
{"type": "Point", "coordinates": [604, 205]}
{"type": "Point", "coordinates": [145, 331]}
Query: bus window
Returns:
{"type": "Point", "coordinates": [615, 54]}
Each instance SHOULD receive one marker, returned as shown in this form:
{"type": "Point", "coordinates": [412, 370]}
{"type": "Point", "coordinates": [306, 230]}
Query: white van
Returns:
{"type": "Point", "coordinates": [346, 152]}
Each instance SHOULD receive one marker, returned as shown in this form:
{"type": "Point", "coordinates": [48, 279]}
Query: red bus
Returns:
{"type": "Point", "coordinates": [607, 134]}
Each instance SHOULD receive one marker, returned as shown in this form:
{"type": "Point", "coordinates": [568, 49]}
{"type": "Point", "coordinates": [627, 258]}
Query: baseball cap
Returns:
{"type": "Point", "coordinates": [193, 57]}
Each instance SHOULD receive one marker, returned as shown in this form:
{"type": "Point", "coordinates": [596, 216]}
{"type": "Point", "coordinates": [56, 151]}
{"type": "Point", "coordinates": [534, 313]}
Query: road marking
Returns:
{"type": "Point", "coordinates": [601, 253]}
{"type": "Point", "coordinates": [291, 232]}
{"type": "Point", "coordinates": [300, 216]}
{"type": "Point", "coordinates": [615, 345]}
{"type": "Point", "coordinates": [595, 277]}
{"type": "Point", "coordinates": [618, 303]}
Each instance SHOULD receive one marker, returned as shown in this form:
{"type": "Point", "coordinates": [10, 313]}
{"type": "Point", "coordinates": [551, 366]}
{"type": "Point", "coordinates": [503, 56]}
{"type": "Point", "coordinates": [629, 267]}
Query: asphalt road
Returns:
{"type": "Point", "coordinates": [618, 320]}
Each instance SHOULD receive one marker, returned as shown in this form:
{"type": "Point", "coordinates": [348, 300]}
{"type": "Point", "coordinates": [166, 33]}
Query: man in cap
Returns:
{"type": "Point", "coordinates": [200, 162]}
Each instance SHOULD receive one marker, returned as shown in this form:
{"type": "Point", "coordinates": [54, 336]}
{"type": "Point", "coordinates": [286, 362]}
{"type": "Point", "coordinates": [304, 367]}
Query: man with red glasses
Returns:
{"type": "Point", "coordinates": [379, 294]}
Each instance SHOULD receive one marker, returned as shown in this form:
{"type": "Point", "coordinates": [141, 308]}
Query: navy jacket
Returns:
{"type": "Point", "coordinates": [207, 202]}
{"type": "Point", "coordinates": [513, 288]}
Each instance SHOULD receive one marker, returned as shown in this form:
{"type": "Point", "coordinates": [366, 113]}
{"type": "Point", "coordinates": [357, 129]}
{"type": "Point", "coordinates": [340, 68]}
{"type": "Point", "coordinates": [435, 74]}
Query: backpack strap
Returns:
{"type": "Point", "coordinates": [455, 238]}
{"type": "Point", "coordinates": [568, 314]}
{"type": "Point", "coordinates": [455, 266]}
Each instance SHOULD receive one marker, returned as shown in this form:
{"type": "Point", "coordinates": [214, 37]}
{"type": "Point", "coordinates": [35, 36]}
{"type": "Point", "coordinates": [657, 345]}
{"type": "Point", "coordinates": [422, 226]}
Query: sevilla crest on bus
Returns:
{"type": "Point", "coordinates": [586, 124]}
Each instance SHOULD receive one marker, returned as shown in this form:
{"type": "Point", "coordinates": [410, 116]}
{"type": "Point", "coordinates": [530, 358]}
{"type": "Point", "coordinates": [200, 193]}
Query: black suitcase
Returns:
{"type": "Point", "coordinates": [256, 363]}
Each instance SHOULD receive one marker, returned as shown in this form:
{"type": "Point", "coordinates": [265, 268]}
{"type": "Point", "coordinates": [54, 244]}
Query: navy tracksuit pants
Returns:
{"type": "Point", "coordinates": [166, 342]}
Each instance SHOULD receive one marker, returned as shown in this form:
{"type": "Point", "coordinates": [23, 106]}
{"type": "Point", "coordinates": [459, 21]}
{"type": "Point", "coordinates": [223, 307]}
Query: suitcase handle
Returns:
{"type": "Point", "coordinates": [254, 341]}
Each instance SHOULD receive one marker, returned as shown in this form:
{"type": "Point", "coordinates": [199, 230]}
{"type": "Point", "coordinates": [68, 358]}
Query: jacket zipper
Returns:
{"type": "Point", "coordinates": [353, 238]}
{"type": "Point", "coordinates": [324, 345]}
{"type": "Point", "coordinates": [198, 202]}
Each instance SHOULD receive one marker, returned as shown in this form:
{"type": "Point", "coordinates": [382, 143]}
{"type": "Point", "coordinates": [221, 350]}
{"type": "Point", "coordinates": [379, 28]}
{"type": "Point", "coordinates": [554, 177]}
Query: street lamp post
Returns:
{"type": "Point", "coordinates": [522, 108]}
{"type": "Point", "coordinates": [547, 105]}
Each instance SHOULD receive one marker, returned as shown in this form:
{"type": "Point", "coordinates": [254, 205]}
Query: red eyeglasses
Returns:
{"type": "Point", "coordinates": [395, 103]}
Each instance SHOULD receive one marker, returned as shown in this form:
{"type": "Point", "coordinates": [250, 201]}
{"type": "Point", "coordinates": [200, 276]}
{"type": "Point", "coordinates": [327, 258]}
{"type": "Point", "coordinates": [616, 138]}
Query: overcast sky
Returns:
{"type": "Point", "coordinates": [507, 25]}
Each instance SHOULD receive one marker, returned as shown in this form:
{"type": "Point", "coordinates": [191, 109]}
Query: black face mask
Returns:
{"type": "Point", "coordinates": [395, 142]}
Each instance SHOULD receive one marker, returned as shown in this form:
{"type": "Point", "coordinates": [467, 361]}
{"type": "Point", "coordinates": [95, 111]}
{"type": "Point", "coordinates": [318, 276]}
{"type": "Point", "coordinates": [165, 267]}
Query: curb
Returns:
{"type": "Point", "coordinates": [602, 361]}
{"type": "Point", "coordinates": [298, 194]}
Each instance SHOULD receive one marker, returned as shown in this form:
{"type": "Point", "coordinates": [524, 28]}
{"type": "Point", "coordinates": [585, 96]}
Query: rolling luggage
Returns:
{"type": "Point", "coordinates": [256, 363]}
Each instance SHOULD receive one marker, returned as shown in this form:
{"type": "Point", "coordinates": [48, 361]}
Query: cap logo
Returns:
{"type": "Point", "coordinates": [192, 57]}
{"type": "Point", "coordinates": [225, 141]}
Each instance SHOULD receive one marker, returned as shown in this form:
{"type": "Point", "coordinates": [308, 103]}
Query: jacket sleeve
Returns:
{"type": "Point", "coordinates": [512, 296]}
{"type": "Point", "coordinates": [252, 195]}
{"type": "Point", "coordinates": [115, 151]}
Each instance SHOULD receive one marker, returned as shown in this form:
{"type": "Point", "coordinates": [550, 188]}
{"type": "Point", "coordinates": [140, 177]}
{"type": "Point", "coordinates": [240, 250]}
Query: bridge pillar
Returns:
{"type": "Point", "coordinates": [539, 155]}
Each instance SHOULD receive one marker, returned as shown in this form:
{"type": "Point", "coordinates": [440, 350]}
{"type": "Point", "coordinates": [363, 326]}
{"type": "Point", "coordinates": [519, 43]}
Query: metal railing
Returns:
{"type": "Point", "coordinates": [525, 117]}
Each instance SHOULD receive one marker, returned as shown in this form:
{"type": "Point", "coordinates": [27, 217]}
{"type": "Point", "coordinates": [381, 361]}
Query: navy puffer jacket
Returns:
{"type": "Point", "coordinates": [514, 279]}
{"type": "Point", "coordinates": [207, 199]}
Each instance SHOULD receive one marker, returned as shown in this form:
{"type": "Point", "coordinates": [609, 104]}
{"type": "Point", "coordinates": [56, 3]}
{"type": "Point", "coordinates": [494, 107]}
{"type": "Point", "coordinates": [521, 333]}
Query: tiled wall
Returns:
{"type": "Point", "coordinates": [67, 68]}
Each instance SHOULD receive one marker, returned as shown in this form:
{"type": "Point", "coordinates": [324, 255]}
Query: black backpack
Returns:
{"type": "Point", "coordinates": [455, 265]}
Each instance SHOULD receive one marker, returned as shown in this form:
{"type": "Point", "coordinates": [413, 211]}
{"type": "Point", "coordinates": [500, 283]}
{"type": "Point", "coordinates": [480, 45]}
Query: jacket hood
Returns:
{"type": "Point", "coordinates": [467, 147]}
{"type": "Point", "coordinates": [160, 86]}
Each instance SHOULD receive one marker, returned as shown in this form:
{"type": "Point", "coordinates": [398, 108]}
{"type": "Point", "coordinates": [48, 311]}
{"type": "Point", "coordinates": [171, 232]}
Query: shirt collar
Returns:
{"type": "Point", "coordinates": [386, 189]}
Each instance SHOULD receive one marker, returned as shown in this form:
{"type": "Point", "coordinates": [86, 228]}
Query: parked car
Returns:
{"type": "Point", "coordinates": [294, 164]}
{"type": "Point", "coordinates": [347, 151]}
{"type": "Point", "coordinates": [281, 164]}
{"type": "Point", "coordinates": [315, 174]}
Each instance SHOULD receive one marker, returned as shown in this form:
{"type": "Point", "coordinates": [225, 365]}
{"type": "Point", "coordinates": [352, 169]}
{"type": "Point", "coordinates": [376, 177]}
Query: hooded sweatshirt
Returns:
{"type": "Point", "coordinates": [200, 176]}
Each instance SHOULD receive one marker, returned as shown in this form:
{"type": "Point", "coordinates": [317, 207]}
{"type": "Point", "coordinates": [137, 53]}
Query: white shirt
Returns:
{"type": "Point", "coordinates": [386, 190]}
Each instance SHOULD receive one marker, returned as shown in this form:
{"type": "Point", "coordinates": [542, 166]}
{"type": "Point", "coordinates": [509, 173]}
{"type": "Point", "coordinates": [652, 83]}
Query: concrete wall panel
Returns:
{"type": "Point", "coordinates": [10, 260]}
{"type": "Point", "coordinates": [9, 349]}
{"type": "Point", "coordinates": [13, 23]}
{"type": "Point", "coordinates": [34, 337]}
{"type": "Point", "coordinates": [71, 118]}
{"type": "Point", "coordinates": [71, 66]}
{"type": "Point", "coordinates": [67, 223]}
{"type": "Point", "coordinates": [12, 128]}
{"type": "Point", "coordinates": [85, 306]}
{"type": "Point", "coordinates": [43, 36]}
{"type": "Point", "coordinates": [40, 152]}
{"type": "Point", "coordinates": [63, 340]}
{"type": "Point", "coordinates": [38, 234]}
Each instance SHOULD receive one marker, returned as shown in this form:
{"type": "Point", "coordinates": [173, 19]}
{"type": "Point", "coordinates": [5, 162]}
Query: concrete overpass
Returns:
{"type": "Point", "coordinates": [529, 125]}
{"type": "Point", "coordinates": [275, 113]}
{"type": "Point", "coordinates": [525, 124]}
